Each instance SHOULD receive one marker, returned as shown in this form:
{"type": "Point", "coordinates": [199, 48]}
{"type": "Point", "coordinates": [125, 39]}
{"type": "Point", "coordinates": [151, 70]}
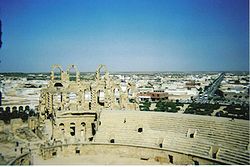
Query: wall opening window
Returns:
{"type": "Point", "coordinates": [77, 151]}
{"type": "Point", "coordinates": [100, 97]}
{"type": "Point", "coordinates": [112, 140]}
{"type": "Point", "coordinates": [160, 145]}
{"type": "Point", "coordinates": [87, 95]}
{"type": "Point", "coordinates": [72, 73]}
{"type": "Point", "coordinates": [192, 135]}
{"type": "Point", "coordinates": [140, 130]}
{"type": "Point", "coordinates": [54, 153]}
{"type": "Point", "coordinates": [72, 129]}
{"type": "Point", "coordinates": [61, 126]}
{"type": "Point", "coordinates": [57, 72]}
{"type": "Point", "coordinates": [89, 105]}
{"type": "Point", "coordinates": [93, 129]}
{"type": "Point", "coordinates": [72, 97]}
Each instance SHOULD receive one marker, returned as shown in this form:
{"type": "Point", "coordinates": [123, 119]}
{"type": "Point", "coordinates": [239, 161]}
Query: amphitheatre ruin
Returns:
{"type": "Point", "coordinates": [99, 122]}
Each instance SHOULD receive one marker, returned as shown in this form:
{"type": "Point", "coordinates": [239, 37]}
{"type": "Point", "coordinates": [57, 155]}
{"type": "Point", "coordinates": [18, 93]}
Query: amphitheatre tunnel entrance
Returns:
{"type": "Point", "coordinates": [214, 151]}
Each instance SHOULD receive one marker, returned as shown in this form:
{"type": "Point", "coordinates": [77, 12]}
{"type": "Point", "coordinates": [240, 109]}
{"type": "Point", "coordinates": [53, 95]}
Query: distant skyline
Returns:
{"type": "Point", "coordinates": [125, 35]}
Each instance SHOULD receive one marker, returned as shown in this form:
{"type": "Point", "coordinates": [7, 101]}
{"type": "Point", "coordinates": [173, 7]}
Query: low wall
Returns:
{"type": "Point", "coordinates": [143, 153]}
{"type": "Point", "coordinates": [24, 159]}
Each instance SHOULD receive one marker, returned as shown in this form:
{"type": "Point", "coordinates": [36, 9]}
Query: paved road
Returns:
{"type": "Point", "coordinates": [211, 90]}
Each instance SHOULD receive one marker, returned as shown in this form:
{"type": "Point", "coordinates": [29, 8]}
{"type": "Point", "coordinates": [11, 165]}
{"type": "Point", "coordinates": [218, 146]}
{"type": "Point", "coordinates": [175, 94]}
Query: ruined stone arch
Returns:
{"type": "Point", "coordinates": [53, 68]}
{"type": "Point", "coordinates": [77, 73]}
{"type": "Point", "coordinates": [98, 71]}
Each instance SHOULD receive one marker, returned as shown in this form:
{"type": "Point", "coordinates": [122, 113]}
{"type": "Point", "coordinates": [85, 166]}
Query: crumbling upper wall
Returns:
{"type": "Point", "coordinates": [64, 93]}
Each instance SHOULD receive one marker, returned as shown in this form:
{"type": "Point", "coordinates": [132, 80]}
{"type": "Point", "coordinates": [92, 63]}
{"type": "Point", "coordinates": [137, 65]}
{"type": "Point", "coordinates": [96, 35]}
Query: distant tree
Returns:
{"type": "Point", "coordinates": [219, 93]}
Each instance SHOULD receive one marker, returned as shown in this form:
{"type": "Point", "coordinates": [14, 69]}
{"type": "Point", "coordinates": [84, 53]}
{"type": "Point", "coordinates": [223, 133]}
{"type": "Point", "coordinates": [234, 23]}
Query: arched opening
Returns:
{"type": "Point", "coordinates": [93, 129]}
{"type": "Point", "coordinates": [20, 108]}
{"type": "Point", "coordinates": [7, 109]}
{"type": "Point", "coordinates": [57, 99]}
{"type": "Point", "coordinates": [61, 126]}
{"type": "Point", "coordinates": [83, 130]}
{"type": "Point", "coordinates": [140, 130]}
{"type": "Point", "coordinates": [72, 129]}
{"type": "Point", "coordinates": [100, 97]}
{"type": "Point", "coordinates": [191, 133]}
{"type": "Point", "coordinates": [72, 97]}
{"type": "Point", "coordinates": [117, 95]}
{"type": "Point", "coordinates": [78, 151]}
{"type": "Point", "coordinates": [14, 112]}
{"type": "Point", "coordinates": [1, 109]}
{"type": "Point", "coordinates": [27, 108]}
{"type": "Point", "coordinates": [130, 95]}
{"type": "Point", "coordinates": [87, 95]}
{"type": "Point", "coordinates": [14, 109]}
{"type": "Point", "coordinates": [102, 72]}
{"type": "Point", "coordinates": [112, 141]}
{"type": "Point", "coordinates": [58, 84]}
{"type": "Point", "coordinates": [72, 72]}
{"type": "Point", "coordinates": [57, 73]}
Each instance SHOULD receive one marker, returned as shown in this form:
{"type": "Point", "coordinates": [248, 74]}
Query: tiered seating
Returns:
{"type": "Point", "coordinates": [232, 137]}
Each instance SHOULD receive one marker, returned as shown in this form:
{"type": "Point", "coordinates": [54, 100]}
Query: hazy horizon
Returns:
{"type": "Point", "coordinates": [125, 35]}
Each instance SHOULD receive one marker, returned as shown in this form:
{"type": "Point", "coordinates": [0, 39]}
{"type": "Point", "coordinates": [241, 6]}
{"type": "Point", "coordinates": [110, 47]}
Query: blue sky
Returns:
{"type": "Point", "coordinates": [126, 35]}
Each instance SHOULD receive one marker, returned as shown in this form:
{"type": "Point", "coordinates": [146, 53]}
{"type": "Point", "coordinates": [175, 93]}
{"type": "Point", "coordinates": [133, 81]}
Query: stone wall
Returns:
{"type": "Point", "coordinates": [163, 156]}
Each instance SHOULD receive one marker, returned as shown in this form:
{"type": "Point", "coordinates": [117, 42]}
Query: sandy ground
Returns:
{"type": "Point", "coordinates": [93, 160]}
